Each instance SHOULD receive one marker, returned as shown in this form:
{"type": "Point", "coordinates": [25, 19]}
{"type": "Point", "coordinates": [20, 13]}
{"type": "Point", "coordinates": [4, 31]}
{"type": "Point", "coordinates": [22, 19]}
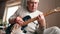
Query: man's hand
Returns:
{"type": "Point", "coordinates": [19, 21]}
{"type": "Point", "coordinates": [41, 20]}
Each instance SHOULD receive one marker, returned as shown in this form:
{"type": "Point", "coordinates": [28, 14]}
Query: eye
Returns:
{"type": "Point", "coordinates": [35, 2]}
{"type": "Point", "coordinates": [31, 2]}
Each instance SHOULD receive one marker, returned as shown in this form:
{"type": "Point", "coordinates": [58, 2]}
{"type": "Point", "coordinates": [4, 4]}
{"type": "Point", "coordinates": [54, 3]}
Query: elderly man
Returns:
{"type": "Point", "coordinates": [29, 7]}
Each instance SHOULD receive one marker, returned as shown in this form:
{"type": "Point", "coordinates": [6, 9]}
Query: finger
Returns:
{"type": "Point", "coordinates": [39, 15]}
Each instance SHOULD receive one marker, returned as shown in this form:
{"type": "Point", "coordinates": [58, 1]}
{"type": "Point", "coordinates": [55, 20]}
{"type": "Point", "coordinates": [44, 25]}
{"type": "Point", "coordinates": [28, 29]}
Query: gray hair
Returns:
{"type": "Point", "coordinates": [24, 2]}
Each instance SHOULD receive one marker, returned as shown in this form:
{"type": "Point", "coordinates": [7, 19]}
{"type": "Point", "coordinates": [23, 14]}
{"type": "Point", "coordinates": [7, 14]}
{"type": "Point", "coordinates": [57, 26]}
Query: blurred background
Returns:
{"type": "Point", "coordinates": [8, 7]}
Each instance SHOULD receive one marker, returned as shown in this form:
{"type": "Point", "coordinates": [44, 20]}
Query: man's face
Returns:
{"type": "Point", "coordinates": [32, 5]}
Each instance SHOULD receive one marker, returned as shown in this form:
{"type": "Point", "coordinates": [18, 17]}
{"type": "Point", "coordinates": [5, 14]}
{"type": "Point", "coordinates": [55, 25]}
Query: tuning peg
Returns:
{"type": "Point", "coordinates": [57, 9]}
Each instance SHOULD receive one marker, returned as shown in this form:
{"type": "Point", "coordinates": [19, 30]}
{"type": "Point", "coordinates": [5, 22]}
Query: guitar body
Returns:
{"type": "Point", "coordinates": [25, 19]}
{"type": "Point", "coordinates": [8, 30]}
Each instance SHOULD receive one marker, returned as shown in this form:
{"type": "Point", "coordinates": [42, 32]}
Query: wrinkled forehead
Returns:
{"type": "Point", "coordinates": [33, 0]}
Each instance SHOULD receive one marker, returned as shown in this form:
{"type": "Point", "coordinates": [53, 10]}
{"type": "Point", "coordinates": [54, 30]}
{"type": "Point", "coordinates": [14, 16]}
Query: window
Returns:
{"type": "Point", "coordinates": [11, 11]}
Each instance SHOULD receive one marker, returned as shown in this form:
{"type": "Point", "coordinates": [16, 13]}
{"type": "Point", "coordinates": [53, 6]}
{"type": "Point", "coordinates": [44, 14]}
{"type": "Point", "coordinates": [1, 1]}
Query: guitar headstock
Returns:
{"type": "Point", "coordinates": [56, 9]}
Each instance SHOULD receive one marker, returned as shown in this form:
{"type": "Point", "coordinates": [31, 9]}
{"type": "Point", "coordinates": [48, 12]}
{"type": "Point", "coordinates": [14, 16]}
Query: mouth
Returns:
{"type": "Point", "coordinates": [33, 8]}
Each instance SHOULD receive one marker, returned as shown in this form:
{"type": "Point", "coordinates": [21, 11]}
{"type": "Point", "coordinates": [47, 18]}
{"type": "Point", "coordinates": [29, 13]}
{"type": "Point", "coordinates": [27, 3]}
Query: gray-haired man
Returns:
{"type": "Point", "coordinates": [29, 8]}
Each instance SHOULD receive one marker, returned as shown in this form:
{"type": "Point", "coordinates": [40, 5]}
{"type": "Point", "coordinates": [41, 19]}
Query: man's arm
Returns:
{"type": "Point", "coordinates": [13, 17]}
{"type": "Point", "coordinates": [42, 23]}
{"type": "Point", "coordinates": [16, 14]}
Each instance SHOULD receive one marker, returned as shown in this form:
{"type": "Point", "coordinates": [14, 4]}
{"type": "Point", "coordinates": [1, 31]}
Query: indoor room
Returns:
{"type": "Point", "coordinates": [50, 9]}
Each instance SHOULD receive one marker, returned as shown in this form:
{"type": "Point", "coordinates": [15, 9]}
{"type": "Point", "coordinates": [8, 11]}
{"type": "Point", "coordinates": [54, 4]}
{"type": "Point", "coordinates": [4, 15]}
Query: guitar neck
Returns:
{"type": "Point", "coordinates": [49, 13]}
{"type": "Point", "coordinates": [30, 20]}
{"type": "Point", "coordinates": [33, 19]}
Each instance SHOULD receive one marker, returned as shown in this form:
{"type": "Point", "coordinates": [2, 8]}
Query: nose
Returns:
{"type": "Point", "coordinates": [33, 5]}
